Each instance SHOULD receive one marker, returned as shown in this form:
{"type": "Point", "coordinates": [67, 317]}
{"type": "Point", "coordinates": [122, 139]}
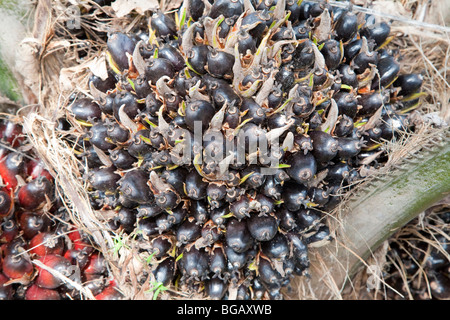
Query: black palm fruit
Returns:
{"type": "Point", "coordinates": [309, 218]}
{"type": "Point", "coordinates": [163, 24]}
{"type": "Point", "coordinates": [103, 85]}
{"type": "Point", "coordinates": [199, 111]}
{"type": "Point", "coordinates": [294, 196]}
{"type": "Point", "coordinates": [127, 101]}
{"type": "Point", "coordinates": [262, 228]}
{"type": "Point", "coordinates": [199, 210]}
{"type": "Point", "coordinates": [278, 248]}
{"type": "Point", "coordinates": [348, 147]}
{"type": "Point", "coordinates": [211, 233]}
{"type": "Point", "coordinates": [216, 288]}
{"type": "Point", "coordinates": [165, 271]}
{"type": "Point", "coordinates": [220, 64]}
{"type": "Point", "coordinates": [194, 185]}
{"type": "Point", "coordinates": [173, 55]}
{"type": "Point", "coordinates": [133, 187]}
{"type": "Point", "coordinates": [227, 8]}
{"type": "Point", "coordinates": [246, 43]}
{"type": "Point", "coordinates": [285, 77]}
{"type": "Point", "coordinates": [149, 210]}
{"type": "Point", "coordinates": [325, 146]}
{"type": "Point", "coordinates": [188, 232]}
{"type": "Point", "coordinates": [197, 58]}
{"type": "Point", "coordinates": [348, 76]}
{"type": "Point", "coordinates": [156, 68]}
{"type": "Point", "coordinates": [332, 54]}
{"type": "Point", "coordinates": [117, 133]}
{"type": "Point", "coordinates": [122, 159]}
{"type": "Point", "coordinates": [364, 59]}
{"type": "Point", "coordinates": [142, 87]}
{"type": "Point", "coordinates": [302, 168]}
{"type": "Point", "coordinates": [287, 219]}
{"type": "Point", "coordinates": [409, 83]}
{"type": "Point", "coordinates": [346, 26]}
{"type": "Point", "coordinates": [370, 103]}
{"type": "Point", "coordinates": [388, 69]}
{"type": "Point", "coordinates": [268, 274]}
{"type": "Point", "coordinates": [119, 44]}
{"type": "Point", "coordinates": [98, 136]}
{"type": "Point", "coordinates": [139, 146]}
{"type": "Point", "coordinates": [86, 110]}
{"type": "Point", "coordinates": [196, 8]}
{"type": "Point", "coordinates": [262, 20]}
{"type": "Point", "coordinates": [104, 179]}
{"type": "Point", "coordinates": [351, 49]}
{"type": "Point", "coordinates": [378, 32]}
{"type": "Point", "coordinates": [167, 199]}
{"type": "Point", "coordinates": [238, 236]}
{"type": "Point", "coordinates": [106, 104]}
{"type": "Point", "coordinates": [217, 261]}
{"type": "Point", "coordinates": [194, 263]}
{"type": "Point", "coordinates": [148, 227]}
{"type": "Point", "coordinates": [299, 251]}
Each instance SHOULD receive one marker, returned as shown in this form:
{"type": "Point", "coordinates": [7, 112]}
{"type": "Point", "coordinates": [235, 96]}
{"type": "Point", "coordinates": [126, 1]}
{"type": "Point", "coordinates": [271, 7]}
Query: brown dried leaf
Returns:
{"type": "Point", "coordinates": [124, 7]}
{"type": "Point", "coordinates": [98, 67]}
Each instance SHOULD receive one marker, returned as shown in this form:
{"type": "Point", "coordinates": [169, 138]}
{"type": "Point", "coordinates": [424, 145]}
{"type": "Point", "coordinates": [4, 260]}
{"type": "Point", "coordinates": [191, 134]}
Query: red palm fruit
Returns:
{"type": "Point", "coordinates": [33, 195]}
{"type": "Point", "coordinates": [45, 243]}
{"type": "Point", "coordinates": [109, 293]}
{"type": "Point", "coordinates": [112, 283]}
{"type": "Point", "coordinates": [17, 266]}
{"type": "Point", "coordinates": [36, 168]}
{"type": "Point", "coordinates": [6, 291]}
{"type": "Point", "coordinates": [96, 264]}
{"type": "Point", "coordinates": [78, 242]}
{"type": "Point", "coordinates": [77, 257]}
{"type": "Point", "coordinates": [10, 166]}
{"type": "Point", "coordinates": [6, 204]}
{"type": "Point", "coordinates": [34, 292]}
{"type": "Point", "coordinates": [94, 282]}
{"type": "Point", "coordinates": [2, 252]}
{"type": "Point", "coordinates": [15, 246]}
{"type": "Point", "coordinates": [47, 280]}
{"type": "Point", "coordinates": [32, 223]}
{"type": "Point", "coordinates": [12, 133]}
{"type": "Point", "coordinates": [9, 230]}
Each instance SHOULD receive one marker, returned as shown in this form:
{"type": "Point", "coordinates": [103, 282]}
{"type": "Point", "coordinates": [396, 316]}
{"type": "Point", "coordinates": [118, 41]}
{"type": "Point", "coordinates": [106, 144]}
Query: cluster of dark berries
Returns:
{"type": "Point", "coordinates": [36, 235]}
{"type": "Point", "coordinates": [420, 263]}
{"type": "Point", "coordinates": [225, 133]}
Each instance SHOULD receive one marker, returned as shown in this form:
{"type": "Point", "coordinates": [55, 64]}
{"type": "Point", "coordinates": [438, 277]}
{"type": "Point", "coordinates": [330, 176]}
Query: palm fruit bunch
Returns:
{"type": "Point", "coordinates": [226, 132]}
{"type": "Point", "coordinates": [420, 267]}
{"type": "Point", "coordinates": [37, 236]}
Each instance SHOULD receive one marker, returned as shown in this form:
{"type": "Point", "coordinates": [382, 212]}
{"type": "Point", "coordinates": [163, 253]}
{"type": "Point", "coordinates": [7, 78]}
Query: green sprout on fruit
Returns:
{"type": "Point", "coordinates": [157, 288]}
{"type": "Point", "coordinates": [150, 258]}
{"type": "Point", "coordinates": [118, 243]}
